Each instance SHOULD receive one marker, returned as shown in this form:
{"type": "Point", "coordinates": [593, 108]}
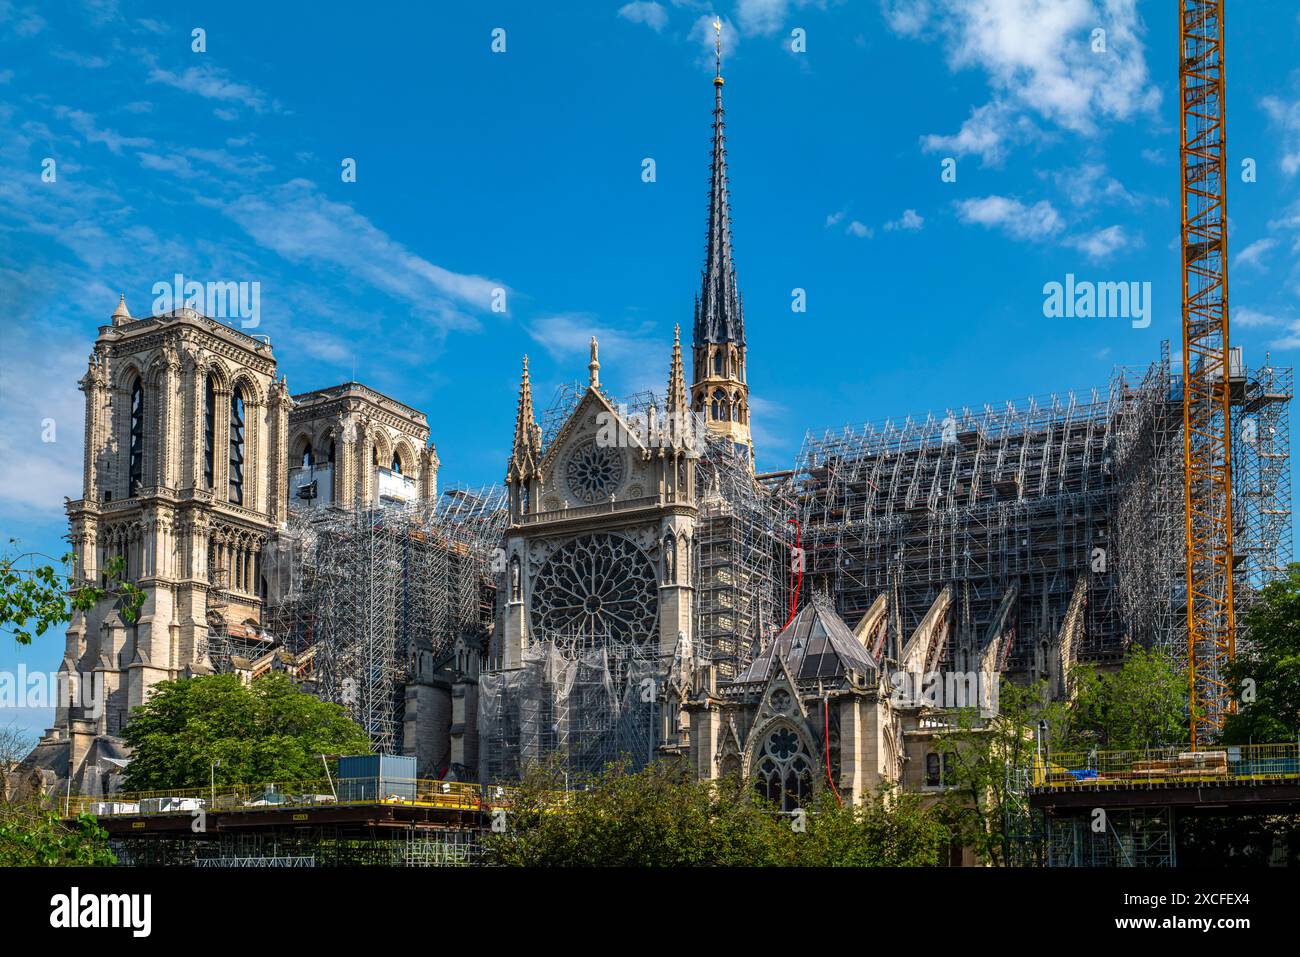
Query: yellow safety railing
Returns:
{"type": "Point", "coordinates": [1229, 764]}
{"type": "Point", "coordinates": [292, 795]}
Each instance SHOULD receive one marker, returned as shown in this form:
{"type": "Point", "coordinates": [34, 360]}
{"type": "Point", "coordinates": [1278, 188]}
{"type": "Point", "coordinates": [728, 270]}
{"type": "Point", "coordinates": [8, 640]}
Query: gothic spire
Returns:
{"type": "Point", "coordinates": [527, 453]}
{"type": "Point", "coordinates": [717, 313]}
{"type": "Point", "coordinates": [677, 404]}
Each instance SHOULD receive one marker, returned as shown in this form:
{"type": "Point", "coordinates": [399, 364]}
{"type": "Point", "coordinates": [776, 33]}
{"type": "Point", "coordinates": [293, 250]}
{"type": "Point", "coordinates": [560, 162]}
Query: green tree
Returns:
{"type": "Point", "coordinates": [35, 595]}
{"type": "Point", "coordinates": [891, 829]}
{"type": "Point", "coordinates": [33, 835]}
{"type": "Point", "coordinates": [660, 816]}
{"type": "Point", "coordinates": [268, 731]}
{"type": "Point", "coordinates": [981, 756]}
{"type": "Point", "coordinates": [1267, 667]}
{"type": "Point", "coordinates": [1141, 705]}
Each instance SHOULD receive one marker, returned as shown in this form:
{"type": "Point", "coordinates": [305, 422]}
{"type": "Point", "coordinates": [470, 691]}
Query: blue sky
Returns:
{"type": "Point", "coordinates": [522, 170]}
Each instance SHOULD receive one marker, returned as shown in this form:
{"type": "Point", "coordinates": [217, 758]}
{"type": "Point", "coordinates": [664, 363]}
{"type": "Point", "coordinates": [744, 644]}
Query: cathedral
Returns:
{"type": "Point", "coordinates": [643, 595]}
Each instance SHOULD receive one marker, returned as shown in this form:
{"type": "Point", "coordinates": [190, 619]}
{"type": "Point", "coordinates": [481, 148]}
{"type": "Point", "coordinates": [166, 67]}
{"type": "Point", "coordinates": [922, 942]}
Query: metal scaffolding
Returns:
{"type": "Point", "coordinates": [586, 704]}
{"type": "Point", "coordinates": [362, 592]}
{"type": "Point", "coordinates": [1025, 503]}
{"type": "Point", "coordinates": [596, 700]}
{"type": "Point", "coordinates": [742, 559]}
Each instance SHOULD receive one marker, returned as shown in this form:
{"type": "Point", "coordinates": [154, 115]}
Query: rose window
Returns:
{"type": "Point", "coordinates": [593, 590]}
{"type": "Point", "coordinates": [594, 472]}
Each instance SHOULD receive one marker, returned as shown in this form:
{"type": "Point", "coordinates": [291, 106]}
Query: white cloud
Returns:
{"type": "Point", "coordinates": [1037, 222]}
{"type": "Point", "coordinates": [85, 61]}
{"type": "Point", "coordinates": [1291, 340]}
{"type": "Point", "coordinates": [176, 165]}
{"type": "Point", "coordinates": [989, 133]}
{"type": "Point", "coordinates": [213, 83]}
{"type": "Point", "coordinates": [910, 220]}
{"type": "Point", "coordinates": [906, 17]}
{"type": "Point", "coordinates": [1253, 255]}
{"type": "Point", "coordinates": [40, 370]}
{"type": "Point", "coordinates": [1039, 62]}
{"type": "Point", "coordinates": [1248, 318]}
{"type": "Point", "coordinates": [302, 225]}
{"type": "Point", "coordinates": [860, 230]}
{"type": "Point", "coordinates": [1286, 117]}
{"type": "Point", "coordinates": [648, 12]}
{"type": "Point", "coordinates": [627, 356]}
{"type": "Point", "coordinates": [84, 124]}
{"type": "Point", "coordinates": [1102, 243]}
{"type": "Point", "coordinates": [1090, 185]}
{"type": "Point", "coordinates": [834, 218]}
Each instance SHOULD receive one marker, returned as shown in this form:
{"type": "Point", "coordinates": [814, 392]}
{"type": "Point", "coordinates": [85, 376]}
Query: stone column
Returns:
{"type": "Point", "coordinates": [277, 504]}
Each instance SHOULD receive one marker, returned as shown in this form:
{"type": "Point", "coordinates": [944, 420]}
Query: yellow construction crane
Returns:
{"type": "Point", "coordinates": [1207, 447]}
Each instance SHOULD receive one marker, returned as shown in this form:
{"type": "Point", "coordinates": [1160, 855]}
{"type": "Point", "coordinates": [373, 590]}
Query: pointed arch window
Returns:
{"type": "Point", "coordinates": [237, 425]}
{"type": "Point", "coordinates": [210, 432]}
{"type": "Point", "coordinates": [397, 463]}
{"type": "Point", "coordinates": [721, 407]}
{"type": "Point", "coordinates": [330, 453]}
{"type": "Point", "coordinates": [717, 363]}
{"type": "Point", "coordinates": [135, 471]}
{"type": "Point", "coordinates": [784, 769]}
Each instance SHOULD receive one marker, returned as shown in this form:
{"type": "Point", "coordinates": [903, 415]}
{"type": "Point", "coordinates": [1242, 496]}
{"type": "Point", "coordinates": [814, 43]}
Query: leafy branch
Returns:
{"type": "Point", "coordinates": [36, 592]}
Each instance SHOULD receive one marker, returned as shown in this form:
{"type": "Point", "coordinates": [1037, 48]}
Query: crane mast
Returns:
{"type": "Point", "coordinates": [1207, 451]}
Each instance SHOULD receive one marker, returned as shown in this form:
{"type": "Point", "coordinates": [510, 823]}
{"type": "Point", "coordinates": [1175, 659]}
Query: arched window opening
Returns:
{"type": "Point", "coordinates": [397, 463]}
{"type": "Point", "coordinates": [331, 452]}
{"type": "Point", "coordinates": [237, 418]}
{"type": "Point", "coordinates": [721, 407]}
{"type": "Point", "coordinates": [374, 456]}
{"type": "Point", "coordinates": [210, 432]}
{"type": "Point", "coordinates": [783, 773]}
{"type": "Point", "coordinates": [135, 472]}
{"type": "Point", "coordinates": [305, 455]}
{"type": "Point", "coordinates": [717, 363]}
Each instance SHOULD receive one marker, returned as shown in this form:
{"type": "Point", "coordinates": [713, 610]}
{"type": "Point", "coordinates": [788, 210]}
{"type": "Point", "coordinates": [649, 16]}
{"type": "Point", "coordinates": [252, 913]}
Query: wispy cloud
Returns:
{"type": "Point", "coordinates": [1253, 255]}
{"type": "Point", "coordinates": [648, 12]}
{"type": "Point", "coordinates": [1040, 65]}
{"type": "Point", "coordinates": [213, 83]}
{"type": "Point", "coordinates": [1285, 117]}
{"type": "Point", "coordinates": [1249, 318]}
{"type": "Point", "coordinates": [299, 223]}
{"type": "Point", "coordinates": [626, 353]}
{"type": "Point", "coordinates": [84, 124]}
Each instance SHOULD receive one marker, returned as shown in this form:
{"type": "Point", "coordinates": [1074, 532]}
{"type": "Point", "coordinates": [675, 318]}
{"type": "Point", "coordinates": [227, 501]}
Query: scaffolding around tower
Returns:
{"type": "Point", "coordinates": [360, 593]}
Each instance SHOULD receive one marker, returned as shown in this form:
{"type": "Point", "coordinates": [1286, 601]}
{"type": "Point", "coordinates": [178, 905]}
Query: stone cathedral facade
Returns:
{"type": "Point", "coordinates": [195, 452]}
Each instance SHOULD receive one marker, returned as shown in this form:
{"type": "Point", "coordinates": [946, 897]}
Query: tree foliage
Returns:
{"type": "Point", "coordinates": [269, 731]}
{"type": "Point", "coordinates": [1141, 705]}
{"type": "Point", "coordinates": [981, 756]}
{"type": "Point", "coordinates": [1266, 673]}
{"type": "Point", "coordinates": [661, 817]}
{"type": "Point", "coordinates": [33, 835]}
{"type": "Point", "coordinates": [35, 595]}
